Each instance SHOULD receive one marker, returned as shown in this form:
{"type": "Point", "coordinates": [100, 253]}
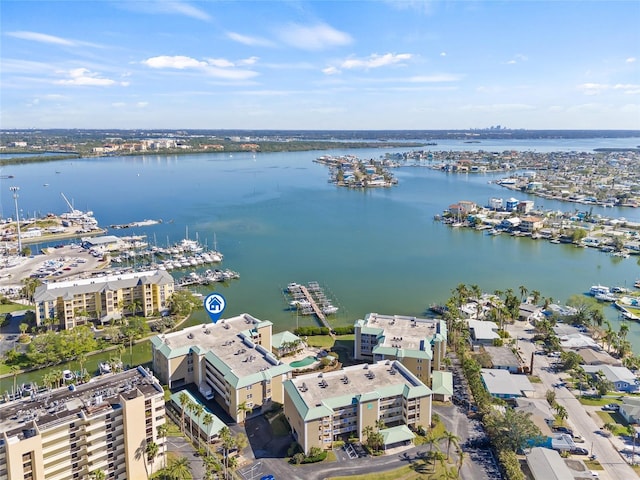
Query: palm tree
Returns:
{"type": "Point", "coordinates": [228, 444]}
{"type": "Point", "coordinates": [242, 410]}
{"type": "Point", "coordinates": [14, 371]}
{"type": "Point", "coordinates": [151, 450]}
{"type": "Point", "coordinates": [82, 359]}
{"type": "Point", "coordinates": [206, 421]}
{"type": "Point", "coordinates": [561, 413]}
{"type": "Point", "coordinates": [179, 468]}
{"type": "Point", "coordinates": [451, 439]}
{"type": "Point", "coordinates": [461, 456]}
{"type": "Point", "coordinates": [183, 398]}
{"type": "Point", "coordinates": [523, 292]}
{"type": "Point", "coordinates": [98, 475]}
{"type": "Point", "coordinates": [189, 407]}
{"type": "Point", "coordinates": [162, 431]}
{"type": "Point", "coordinates": [198, 410]}
{"type": "Point", "coordinates": [536, 296]}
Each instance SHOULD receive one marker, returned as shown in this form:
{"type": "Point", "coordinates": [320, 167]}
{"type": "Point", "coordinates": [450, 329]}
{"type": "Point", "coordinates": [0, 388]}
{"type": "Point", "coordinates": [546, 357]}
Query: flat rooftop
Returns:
{"type": "Point", "coordinates": [403, 331]}
{"type": "Point", "coordinates": [46, 407]}
{"type": "Point", "coordinates": [354, 381]}
{"type": "Point", "coordinates": [228, 339]}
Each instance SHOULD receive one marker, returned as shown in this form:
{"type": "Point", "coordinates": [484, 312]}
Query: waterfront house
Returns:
{"type": "Point", "coordinates": [332, 406]}
{"type": "Point", "coordinates": [530, 224]}
{"type": "Point", "coordinates": [418, 343]}
{"type": "Point", "coordinates": [229, 361]}
{"type": "Point", "coordinates": [622, 378]}
{"type": "Point", "coordinates": [528, 312]}
{"type": "Point", "coordinates": [503, 384]}
{"type": "Point", "coordinates": [541, 413]}
{"type": "Point", "coordinates": [482, 332]}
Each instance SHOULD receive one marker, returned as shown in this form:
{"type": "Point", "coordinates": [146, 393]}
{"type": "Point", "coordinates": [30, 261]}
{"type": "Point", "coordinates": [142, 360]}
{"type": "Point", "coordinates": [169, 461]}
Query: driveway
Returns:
{"type": "Point", "coordinates": [182, 448]}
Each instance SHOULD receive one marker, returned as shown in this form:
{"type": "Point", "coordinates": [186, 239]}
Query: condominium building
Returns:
{"type": "Point", "coordinates": [229, 361]}
{"type": "Point", "coordinates": [323, 408]}
{"type": "Point", "coordinates": [75, 302]}
{"type": "Point", "coordinates": [420, 344]}
{"type": "Point", "coordinates": [70, 432]}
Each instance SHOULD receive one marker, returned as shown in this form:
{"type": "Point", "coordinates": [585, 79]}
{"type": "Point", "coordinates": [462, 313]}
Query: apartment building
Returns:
{"type": "Point", "coordinates": [76, 302]}
{"type": "Point", "coordinates": [229, 361]}
{"type": "Point", "coordinates": [420, 344]}
{"type": "Point", "coordinates": [323, 408]}
{"type": "Point", "coordinates": [70, 432]}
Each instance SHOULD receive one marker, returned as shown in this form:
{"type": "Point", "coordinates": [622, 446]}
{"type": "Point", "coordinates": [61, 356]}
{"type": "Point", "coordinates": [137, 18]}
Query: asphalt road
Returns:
{"type": "Point", "coordinates": [615, 467]}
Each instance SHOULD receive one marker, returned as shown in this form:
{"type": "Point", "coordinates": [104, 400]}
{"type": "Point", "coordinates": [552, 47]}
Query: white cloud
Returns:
{"type": "Point", "coordinates": [631, 60]}
{"type": "Point", "coordinates": [178, 61]}
{"type": "Point", "coordinates": [420, 6]}
{"type": "Point", "coordinates": [372, 61]}
{"type": "Point", "coordinates": [165, 7]}
{"type": "Point", "coordinates": [84, 77]}
{"type": "Point", "coordinates": [250, 41]}
{"type": "Point", "coordinates": [598, 88]}
{"type": "Point", "coordinates": [216, 67]}
{"type": "Point", "coordinates": [443, 54]}
{"type": "Point", "coordinates": [248, 61]}
{"type": "Point", "coordinates": [314, 37]}
{"type": "Point", "coordinates": [142, 104]}
{"type": "Point", "coordinates": [519, 58]}
{"type": "Point", "coordinates": [41, 37]}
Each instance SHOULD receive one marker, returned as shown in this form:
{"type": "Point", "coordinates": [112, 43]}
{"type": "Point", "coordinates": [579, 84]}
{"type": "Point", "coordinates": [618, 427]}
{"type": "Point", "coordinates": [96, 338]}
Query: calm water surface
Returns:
{"type": "Point", "coordinates": [278, 220]}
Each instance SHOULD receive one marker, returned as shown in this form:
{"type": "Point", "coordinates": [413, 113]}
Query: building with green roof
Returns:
{"type": "Point", "coordinates": [420, 344]}
{"type": "Point", "coordinates": [208, 425]}
{"type": "Point", "coordinates": [229, 361]}
{"type": "Point", "coordinates": [331, 406]}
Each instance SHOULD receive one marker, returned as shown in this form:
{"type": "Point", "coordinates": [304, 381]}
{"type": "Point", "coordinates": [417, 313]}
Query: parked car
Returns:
{"type": "Point", "coordinates": [562, 430]}
{"type": "Point", "coordinates": [579, 451]}
{"type": "Point", "coordinates": [611, 407]}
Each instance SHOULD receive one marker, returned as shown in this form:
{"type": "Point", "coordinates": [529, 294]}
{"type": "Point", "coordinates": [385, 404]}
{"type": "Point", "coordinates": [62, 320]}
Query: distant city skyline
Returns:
{"type": "Point", "coordinates": [326, 65]}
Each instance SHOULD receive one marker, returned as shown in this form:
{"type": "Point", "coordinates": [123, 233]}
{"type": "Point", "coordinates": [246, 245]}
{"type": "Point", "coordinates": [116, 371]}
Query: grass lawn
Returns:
{"type": "Point", "coordinates": [418, 471]}
{"type": "Point", "coordinates": [321, 341]}
{"type": "Point", "coordinates": [593, 465]}
{"type": "Point", "coordinates": [12, 307]}
{"type": "Point", "coordinates": [616, 419]}
{"type": "Point", "coordinates": [597, 401]}
{"type": "Point", "coordinates": [534, 379]}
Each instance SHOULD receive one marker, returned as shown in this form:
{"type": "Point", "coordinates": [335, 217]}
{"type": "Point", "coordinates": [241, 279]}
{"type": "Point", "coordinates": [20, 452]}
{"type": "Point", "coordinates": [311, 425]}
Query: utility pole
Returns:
{"type": "Point", "coordinates": [15, 199]}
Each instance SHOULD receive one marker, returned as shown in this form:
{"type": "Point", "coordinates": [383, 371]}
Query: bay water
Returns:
{"type": "Point", "coordinates": [277, 219]}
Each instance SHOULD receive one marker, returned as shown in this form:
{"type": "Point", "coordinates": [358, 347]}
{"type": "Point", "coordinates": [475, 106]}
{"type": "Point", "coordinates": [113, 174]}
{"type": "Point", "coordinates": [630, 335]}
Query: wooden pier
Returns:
{"type": "Point", "coordinates": [315, 300]}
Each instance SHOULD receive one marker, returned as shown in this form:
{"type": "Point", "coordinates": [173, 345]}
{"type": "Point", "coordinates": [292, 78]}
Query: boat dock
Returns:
{"type": "Point", "coordinates": [311, 300]}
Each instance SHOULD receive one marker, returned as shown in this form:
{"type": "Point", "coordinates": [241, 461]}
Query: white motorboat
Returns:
{"type": "Point", "coordinates": [68, 376]}
{"type": "Point", "coordinates": [105, 367]}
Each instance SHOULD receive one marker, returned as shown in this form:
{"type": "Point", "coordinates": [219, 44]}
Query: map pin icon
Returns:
{"type": "Point", "coordinates": [214, 304]}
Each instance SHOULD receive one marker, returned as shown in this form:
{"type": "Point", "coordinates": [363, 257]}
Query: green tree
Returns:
{"type": "Point", "coordinates": [151, 450]}
{"type": "Point", "coordinates": [184, 399]}
{"type": "Point", "coordinates": [98, 475]}
{"type": "Point", "coordinates": [512, 430]}
{"type": "Point", "coordinates": [179, 468]}
{"type": "Point", "coordinates": [450, 438]}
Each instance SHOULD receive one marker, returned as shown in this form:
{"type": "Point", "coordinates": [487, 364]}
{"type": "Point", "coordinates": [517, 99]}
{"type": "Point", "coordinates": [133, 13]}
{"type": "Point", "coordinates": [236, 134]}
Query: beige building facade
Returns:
{"type": "Point", "coordinates": [67, 434]}
{"type": "Point", "coordinates": [76, 302]}
{"type": "Point", "coordinates": [332, 406]}
{"type": "Point", "coordinates": [229, 361]}
{"type": "Point", "coordinates": [420, 344]}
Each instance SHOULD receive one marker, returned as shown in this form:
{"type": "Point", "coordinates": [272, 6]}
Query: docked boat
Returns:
{"type": "Point", "coordinates": [599, 290]}
{"type": "Point", "coordinates": [329, 309]}
{"type": "Point", "coordinates": [68, 376]}
{"type": "Point", "coordinates": [105, 367]}
{"type": "Point", "coordinates": [605, 297]}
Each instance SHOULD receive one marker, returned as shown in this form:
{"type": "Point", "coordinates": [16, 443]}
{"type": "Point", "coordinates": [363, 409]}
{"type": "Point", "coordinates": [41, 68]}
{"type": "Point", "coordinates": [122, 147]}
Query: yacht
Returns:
{"type": "Point", "coordinates": [105, 367]}
{"type": "Point", "coordinates": [599, 290]}
{"type": "Point", "coordinates": [68, 376]}
{"type": "Point", "coordinates": [329, 309]}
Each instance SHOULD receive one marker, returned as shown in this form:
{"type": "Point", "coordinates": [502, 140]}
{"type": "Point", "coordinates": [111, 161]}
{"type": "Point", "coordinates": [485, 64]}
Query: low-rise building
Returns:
{"type": "Point", "coordinates": [503, 384]}
{"type": "Point", "coordinates": [503, 358]}
{"type": "Point", "coordinates": [76, 302]}
{"type": "Point", "coordinates": [68, 433]}
{"type": "Point", "coordinates": [337, 405]}
{"type": "Point", "coordinates": [229, 361]}
{"type": "Point", "coordinates": [442, 385]}
{"type": "Point", "coordinates": [622, 378]}
{"type": "Point", "coordinates": [418, 343]}
{"type": "Point", "coordinates": [630, 409]}
{"type": "Point", "coordinates": [547, 464]}
{"type": "Point", "coordinates": [482, 332]}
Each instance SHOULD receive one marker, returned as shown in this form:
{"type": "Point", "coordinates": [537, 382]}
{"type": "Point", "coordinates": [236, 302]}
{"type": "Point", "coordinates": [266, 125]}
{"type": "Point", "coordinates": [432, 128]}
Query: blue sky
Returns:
{"type": "Point", "coordinates": [320, 64]}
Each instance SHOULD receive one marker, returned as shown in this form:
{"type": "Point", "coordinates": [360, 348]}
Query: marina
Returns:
{"type": "Point", "coordinates": [311, 300]}
{"type": "Point", "coordinates": [378, 249]}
